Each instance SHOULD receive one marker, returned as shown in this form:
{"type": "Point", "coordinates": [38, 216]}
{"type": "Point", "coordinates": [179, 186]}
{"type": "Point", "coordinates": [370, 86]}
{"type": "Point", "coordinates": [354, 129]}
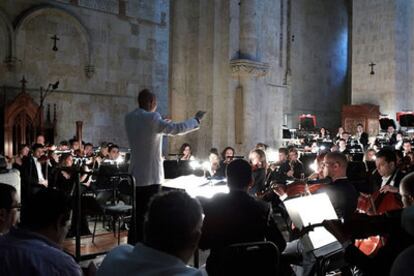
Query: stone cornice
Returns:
{"type": "Point", "coordinates": [246, 67]}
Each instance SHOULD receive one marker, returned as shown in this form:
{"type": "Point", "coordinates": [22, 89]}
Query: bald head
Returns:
{"type": "Point", "coordinates": [335, 164]}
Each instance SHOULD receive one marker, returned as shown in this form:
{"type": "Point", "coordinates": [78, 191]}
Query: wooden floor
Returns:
{"type": "Point", "coordinates": [104, 242]}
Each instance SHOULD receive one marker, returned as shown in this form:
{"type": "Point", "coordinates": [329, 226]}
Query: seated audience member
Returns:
{"type": "Point", "coordinates": [172, 229]}
{"type": "Point", "coordinates": [236, 217]}
{"type": "Point", "coordinates": [34, 247]}
{"type": "Point", "coordinates": [8, 207]}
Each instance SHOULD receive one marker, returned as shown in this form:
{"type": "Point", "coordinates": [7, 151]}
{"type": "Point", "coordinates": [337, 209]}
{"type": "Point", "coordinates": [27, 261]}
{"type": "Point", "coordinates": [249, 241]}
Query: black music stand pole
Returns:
{"type": "Point", "coordinates": [78, 218]}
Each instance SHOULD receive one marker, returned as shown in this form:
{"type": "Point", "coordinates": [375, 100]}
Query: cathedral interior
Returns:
{"type": "Point", "coordinates": [264, 71]}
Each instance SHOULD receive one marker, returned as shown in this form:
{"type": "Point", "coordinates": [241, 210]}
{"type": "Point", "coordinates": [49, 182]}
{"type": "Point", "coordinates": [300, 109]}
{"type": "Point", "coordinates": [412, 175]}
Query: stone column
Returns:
{"type": "Point", "coordinates": [247, 69]}
{"type": "Point", "coordinates": [248, 29]}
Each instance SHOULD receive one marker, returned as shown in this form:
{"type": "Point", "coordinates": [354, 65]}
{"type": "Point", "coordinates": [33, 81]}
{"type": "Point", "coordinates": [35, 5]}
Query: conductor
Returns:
{"type": "Point", "coordinates": [145, 128]}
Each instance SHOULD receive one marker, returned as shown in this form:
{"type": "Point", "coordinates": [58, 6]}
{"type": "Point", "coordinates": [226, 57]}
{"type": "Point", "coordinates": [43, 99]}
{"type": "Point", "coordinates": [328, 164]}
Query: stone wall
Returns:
{"type": "Point", "coordinates": [319, 45]}
{"type": "Point", "coordinates": [382, 34]}
{"type": "Point", "coordinates": [205, 38]}
{"type": "Point", "coordinates": [107, 51]}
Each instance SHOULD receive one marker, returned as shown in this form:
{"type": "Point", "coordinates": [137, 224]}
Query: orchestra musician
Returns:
{"type": "Point", "coordinates": [258, 162]}
{"type": "Point", "coordinates": [186, 152]}
{"type": "Point", "coordinates": [391, 136]}
{"type": "Point", "coordinates": [339, 133]}
{"type": "Point", "coordinates": [23, 153]}
{"type": "Point", "coordinates": [296, 170]}
{"type": "Point", "coordinates": [407, 148]}
{"type": "Point", "coordinates": [323, 134]}
{"type": "Point", "coordinates": [214, 159]}
{"type": "Point", "coordinates": [361, 136]}
{"type": "Point", "coordinates": [387, 224]}
{"type": "Point", "coordinates": [34, 175]}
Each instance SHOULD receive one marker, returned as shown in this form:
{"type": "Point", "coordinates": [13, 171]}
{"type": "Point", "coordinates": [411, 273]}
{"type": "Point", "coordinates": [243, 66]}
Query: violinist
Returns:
{"type": "Point", "coordinates": [296, 167]}
{"type": "Point", "coordinates": [280, 168]}
{"type": "Point", "coordinates": [259, 167]}
{"type": "Point", "coordinates": [214, 159]}
{"type": "Point", "coordinates": [323, 134]}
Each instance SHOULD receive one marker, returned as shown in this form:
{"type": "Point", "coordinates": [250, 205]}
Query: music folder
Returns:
{"type": "Point", "coordinates": [309, 210]}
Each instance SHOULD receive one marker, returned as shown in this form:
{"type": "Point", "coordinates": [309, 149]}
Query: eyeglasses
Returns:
{"type": "Point", "coordinates": [327, 163]}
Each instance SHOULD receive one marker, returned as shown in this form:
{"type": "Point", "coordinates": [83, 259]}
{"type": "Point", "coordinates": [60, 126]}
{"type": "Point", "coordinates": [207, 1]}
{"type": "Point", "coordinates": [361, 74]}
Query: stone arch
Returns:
{"type": "Point", "coordinates": [46, 9]}
{"type": "Point", "coordinates": [7, 33]}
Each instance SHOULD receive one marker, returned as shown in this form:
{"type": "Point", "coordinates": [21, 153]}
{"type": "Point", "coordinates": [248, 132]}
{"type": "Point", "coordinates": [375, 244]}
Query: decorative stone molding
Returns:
{"type": "Point", "coordinates": [89, 71]}
{"type": "Point", "coordinates": [246, 67]}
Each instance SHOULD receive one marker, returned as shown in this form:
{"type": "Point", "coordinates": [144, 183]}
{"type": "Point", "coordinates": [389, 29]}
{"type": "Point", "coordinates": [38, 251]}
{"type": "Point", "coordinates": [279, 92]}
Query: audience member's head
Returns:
{"type": "Point", "coordinates": [147, 100]}
{"type": "Point", "coordinates": [386, 161]}
{"type": "Point", "coordinates": [407, 146]}
{"type": "Point", "coordinates": [239, 174]}
{"type": "Point", "coordinates": [335, 164]}
{"type": "Point", "coordinates": [8, 207]}
{"type": "Point", "coordinates": [173, 224]}
{"type": "Point", "coordinates": [47, 213]}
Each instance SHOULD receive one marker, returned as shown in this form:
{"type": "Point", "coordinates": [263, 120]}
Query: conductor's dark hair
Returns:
{"type": "Point", "coordinates": [44, 209]}
{"type": "Point", "coordinates": [172, 222]}
{"type": "Point", "coordinates": [388, 155]}
{"type": "Point", "coordinates": [145, 97]}
{"type": "Point", "coordinates": [6, 196]}
{"type": "Point", "coordinates": [239, 174]}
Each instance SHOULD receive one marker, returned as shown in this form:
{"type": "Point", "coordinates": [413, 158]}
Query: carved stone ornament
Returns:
{"type": "Point", "coordinates": [240, 67]}
{"type": "Point", "coordinates": [89, 71]}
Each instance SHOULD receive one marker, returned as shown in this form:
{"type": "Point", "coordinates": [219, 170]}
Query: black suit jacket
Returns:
{"type": "Point", "coordinates": [29, 177]}
{"type": "Point", "coordinates": [233, 218]}
{"type": "Point", "coordinates": [343, 196]}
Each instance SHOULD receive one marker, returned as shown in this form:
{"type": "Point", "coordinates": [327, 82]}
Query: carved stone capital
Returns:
{"type": "Point", "coordinates": [89, 71]}
{"type": "Point", "coordinates": [246, 67]}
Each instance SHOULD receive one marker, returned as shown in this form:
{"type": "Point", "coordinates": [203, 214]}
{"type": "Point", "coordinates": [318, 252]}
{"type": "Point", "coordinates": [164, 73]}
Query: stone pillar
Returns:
{"type": "Point", "coordinates": [247, 69]}
{"type": "Point", "coordinates": [248, 29]}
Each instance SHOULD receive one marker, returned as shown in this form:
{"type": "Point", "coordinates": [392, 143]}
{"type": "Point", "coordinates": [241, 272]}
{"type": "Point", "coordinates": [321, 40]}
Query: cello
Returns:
{"type": "Point", "coordinates": [377, 204]}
